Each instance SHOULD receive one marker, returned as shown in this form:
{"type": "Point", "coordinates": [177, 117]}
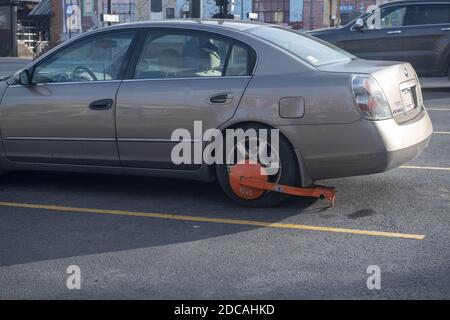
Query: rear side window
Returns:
{"type": "Point", "coordinates": [424, 14]}
{"type": "Point", "coordinates": [309, 49]}
{"type": "Point", "coordinates": [241, 61]}
{"type": "Point", "coordinates": [175, 54]}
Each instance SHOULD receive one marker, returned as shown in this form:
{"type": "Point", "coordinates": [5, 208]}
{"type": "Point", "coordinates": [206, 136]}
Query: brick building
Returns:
{"type": "Point", "coordinates": [319, 13]}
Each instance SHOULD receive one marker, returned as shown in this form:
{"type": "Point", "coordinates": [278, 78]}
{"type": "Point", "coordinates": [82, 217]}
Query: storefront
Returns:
{"type": "Point", "coordinates": [8, 23]}
{"type": "Point", "coordinates": [18, 31]}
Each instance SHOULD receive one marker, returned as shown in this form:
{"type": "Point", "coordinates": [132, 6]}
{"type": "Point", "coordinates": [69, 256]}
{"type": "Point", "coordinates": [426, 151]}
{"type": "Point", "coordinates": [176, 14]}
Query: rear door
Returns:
{"type": "Point", "coordinates": [427, 37]}
{"type": "Point", "coordinates": [180, 76]}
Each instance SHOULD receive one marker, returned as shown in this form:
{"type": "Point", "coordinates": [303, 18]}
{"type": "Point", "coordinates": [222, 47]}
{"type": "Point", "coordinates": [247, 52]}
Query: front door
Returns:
{"type": "Point", "coordinates": [382, 37]}
{"type": "Point", "coordinates": [180, 77]}
{"type": "Point", "coordinates": [66, 114]}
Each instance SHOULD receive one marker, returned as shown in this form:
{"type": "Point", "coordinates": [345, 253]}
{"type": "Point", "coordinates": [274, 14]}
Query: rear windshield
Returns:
{"type": "Point", "coordinates": [307, 48]}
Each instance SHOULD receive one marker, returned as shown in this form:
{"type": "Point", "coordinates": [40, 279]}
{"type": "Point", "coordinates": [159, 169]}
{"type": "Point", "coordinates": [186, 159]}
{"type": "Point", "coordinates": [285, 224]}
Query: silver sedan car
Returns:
{"type": "Point", "coordinates": [108, 101]}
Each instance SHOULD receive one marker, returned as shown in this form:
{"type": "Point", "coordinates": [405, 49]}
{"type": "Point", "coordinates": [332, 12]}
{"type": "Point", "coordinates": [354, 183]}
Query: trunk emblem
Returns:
{"type": "Point", "coordinates": [405, 72]}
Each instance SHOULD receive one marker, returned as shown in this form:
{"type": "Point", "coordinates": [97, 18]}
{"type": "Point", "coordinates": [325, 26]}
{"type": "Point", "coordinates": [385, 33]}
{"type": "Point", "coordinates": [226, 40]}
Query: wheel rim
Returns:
{"type": "Point", "coordinates": [250, 167]}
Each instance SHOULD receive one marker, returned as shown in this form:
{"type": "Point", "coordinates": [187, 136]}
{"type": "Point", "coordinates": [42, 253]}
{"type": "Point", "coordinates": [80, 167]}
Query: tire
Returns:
{"type": "Point", "coordinates": [289, 175]}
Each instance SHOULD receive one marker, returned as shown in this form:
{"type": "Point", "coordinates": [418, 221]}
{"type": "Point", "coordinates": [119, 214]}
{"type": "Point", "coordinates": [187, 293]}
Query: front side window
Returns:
{"type": "Point", "coordinates": [388, 17]}
{"type": "Point", "coordinates": [167, 54]}
{"type": "Point", "coordinates": [410, 15]}
{"type": "Point", "coordinates": [98, 58]}
{"type": "Point", "coordinates": [392, 18]}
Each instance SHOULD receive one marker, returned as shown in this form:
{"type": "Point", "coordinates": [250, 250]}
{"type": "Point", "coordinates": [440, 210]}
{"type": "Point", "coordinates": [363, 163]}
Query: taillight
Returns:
{"type": "Point", "coordinates": [419, 93]}
{"type": "Point", "coordinates": [369, 98]}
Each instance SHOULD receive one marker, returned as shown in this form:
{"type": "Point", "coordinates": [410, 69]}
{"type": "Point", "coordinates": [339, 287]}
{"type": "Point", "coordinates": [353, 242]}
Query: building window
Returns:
{"type": "Point", "coordinates": [272, 11]}
{"type": "Point", "coordinates": [126, 9]}
{"type": "Point", "coordinates": [170, 13]}
{"type": "Point", "coordinates": [156, 5]}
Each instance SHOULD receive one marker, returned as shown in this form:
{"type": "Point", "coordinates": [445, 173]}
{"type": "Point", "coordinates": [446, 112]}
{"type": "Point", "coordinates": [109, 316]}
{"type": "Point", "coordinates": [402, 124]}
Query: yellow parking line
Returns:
{"type": "Point", "coordinates": [214, 220]}
{"type": "Point", "coordinates": [441, 132]}
{"type": "Point", "coordinates": [425, 168]}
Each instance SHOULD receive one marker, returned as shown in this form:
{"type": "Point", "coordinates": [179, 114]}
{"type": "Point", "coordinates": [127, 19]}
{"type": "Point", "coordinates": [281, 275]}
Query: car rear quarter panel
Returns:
{"type": "Point", "coordinates": [279, 74]}
{"type": "Point", "coordinates": [328, 99]}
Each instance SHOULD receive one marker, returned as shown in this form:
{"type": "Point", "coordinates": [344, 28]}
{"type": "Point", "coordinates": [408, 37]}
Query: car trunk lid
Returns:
{"type": "Point", "coordinates": [398, 81]}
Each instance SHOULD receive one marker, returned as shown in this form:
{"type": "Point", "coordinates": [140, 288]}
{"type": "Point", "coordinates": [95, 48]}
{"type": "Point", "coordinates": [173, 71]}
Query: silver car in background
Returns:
{"type": "Point", "coordinates": [108, 101]}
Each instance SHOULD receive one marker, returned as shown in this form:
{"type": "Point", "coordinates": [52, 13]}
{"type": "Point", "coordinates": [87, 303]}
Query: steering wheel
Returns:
{"type": "Point", "coordinates": [79, 70]}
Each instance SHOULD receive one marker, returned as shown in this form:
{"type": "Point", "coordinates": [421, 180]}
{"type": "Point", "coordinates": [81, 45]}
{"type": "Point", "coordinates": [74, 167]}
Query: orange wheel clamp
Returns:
{"type": "Point", "coordinates": [248, 181]}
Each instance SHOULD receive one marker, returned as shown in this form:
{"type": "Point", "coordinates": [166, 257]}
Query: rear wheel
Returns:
{"type": "Point", "coordinates": [287, 173]}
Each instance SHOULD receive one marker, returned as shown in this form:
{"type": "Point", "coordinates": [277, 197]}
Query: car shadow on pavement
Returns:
{"type": "Point", "coordinates": [28, 235]}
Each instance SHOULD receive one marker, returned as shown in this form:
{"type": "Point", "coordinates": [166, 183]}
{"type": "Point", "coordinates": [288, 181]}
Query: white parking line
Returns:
{"type": "Point", "coordinates": [425, 168]}
{"type": "Point", "coordinates": [437, 109]}
{"type": "Point", "coordinates": [441, 132]}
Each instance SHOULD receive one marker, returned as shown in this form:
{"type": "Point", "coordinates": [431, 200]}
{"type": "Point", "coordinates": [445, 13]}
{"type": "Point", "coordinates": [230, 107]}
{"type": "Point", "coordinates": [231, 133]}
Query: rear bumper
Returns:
{"type": "Point", "coordinates": [396, 158]}
{"type": "Point", "coordinates": [364, 147]}
{"type": "Point", "coordinates": [363, 164]}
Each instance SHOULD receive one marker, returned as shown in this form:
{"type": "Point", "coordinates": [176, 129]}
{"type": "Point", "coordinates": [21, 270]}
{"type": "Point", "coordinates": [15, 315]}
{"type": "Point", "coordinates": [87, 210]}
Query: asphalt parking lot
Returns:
{"type": "Point", "coordinates": [152, 238]}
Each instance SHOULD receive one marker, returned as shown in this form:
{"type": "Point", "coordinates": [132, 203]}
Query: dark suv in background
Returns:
{"type": "Point", "coordinates": [414, 31]}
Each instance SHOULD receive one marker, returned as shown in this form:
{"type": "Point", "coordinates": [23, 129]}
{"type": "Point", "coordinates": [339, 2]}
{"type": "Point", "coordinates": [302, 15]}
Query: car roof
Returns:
{"type": "Point", "coordinates": [223, 23]}
{"type": "Point", "coordinates": [413, 2]}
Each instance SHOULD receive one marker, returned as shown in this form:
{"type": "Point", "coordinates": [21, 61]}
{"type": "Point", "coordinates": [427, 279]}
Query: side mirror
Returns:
{"type": "Point", "coordinates": [22, 77]}
{"type": "Point", "coordinates": [359, 24]}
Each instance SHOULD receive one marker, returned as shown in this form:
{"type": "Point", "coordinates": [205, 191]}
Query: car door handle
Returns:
{"type": "Point", "coordinates": [394, 31]}
{"type": "Point", "coordinates": [102, 104]}
{"type": "Point", "coordinates": [445, 29]}
{"type": "Point", "coordinates": [223, 98]}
